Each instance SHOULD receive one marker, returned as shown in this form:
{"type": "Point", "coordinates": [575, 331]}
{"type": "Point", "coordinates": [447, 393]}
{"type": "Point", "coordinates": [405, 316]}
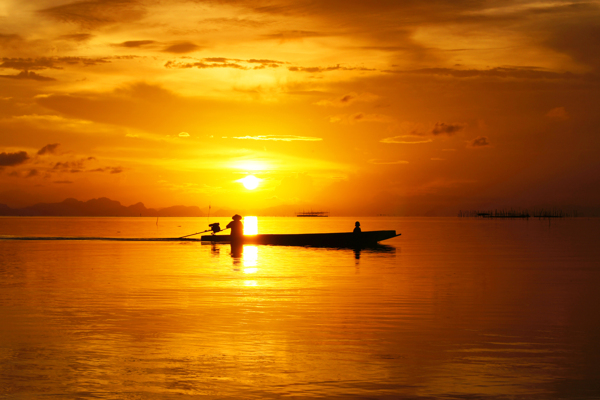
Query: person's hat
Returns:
{"type": "Point", "coordinates": [236, 217]}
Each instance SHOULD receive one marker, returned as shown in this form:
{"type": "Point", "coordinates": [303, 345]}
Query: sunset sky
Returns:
{"type": "Point", "coordinates": [355, 107]}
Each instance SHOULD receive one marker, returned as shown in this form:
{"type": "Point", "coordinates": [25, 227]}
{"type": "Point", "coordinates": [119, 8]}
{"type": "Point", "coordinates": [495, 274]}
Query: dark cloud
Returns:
{"type": "Point", "coordinates": [239, 22]}
{"type": "Point", "coordinates": [96, 13]}
{"type": "Point", "coordinates": [578, 39]}
{"type": "Point", "coordinates": [28, 75]}
{"type": "Point", "coordinates": [203, 65]}
{"type": "Point", "coordinates": [10, 41]}
{"type": "Point", "coordinates": [112, 170]}
{"type": "Point", "coordinates": [64, 165]}
{"type": "Point", "coordinates": [222, 62]}
{"type": "Point", "coordinates": [442, 128]}
{"type": "Point", "coordinates": [348, 99]}
{"type": "Point", "coordinates": [28, 63]}
{"type": "Point", "coordinates": [9, 38]}
{"type": "Point", "coordinates": [40, 63]}
{"type": "Point", "coordinates": [391, 26]}
{"type": "Point", "coordinates": [72, 166]}
{"type": "Point", "coordinates": [85, 61]}
{"type": "Point", "coordinates": [328, 69]}
{"type": "Point", "coordinates": [77, 37]}
{"type": "Point", "coordinates": [11, 159]}
{"type": "Point", "coordinates": [139, 105]}
{"type": "Point", "coordinates": [180, 48]}
{"type": "Point", "coordinates": [262, 61]}
{"type": "Point", "coordinates": [48, 149]}
{"type": "Point", "coordinates": [358, 117]}
{"type": "Point", "coordinates": [78, 166]}
{"type": "Point", "coordinates": [218, 59]}
{"type": "Point", "coordinates": [480, 141]}
{"type": "Point", "coordinates": [32, 173]}
{"type": "Point", "coordinates": [361, 117]}
{"type": "Point", "coordinates": [499, 72]}
{"type": "Point", "coordinates": [286, 36]}
{"type": "Point", "coordinates": [135, 43]}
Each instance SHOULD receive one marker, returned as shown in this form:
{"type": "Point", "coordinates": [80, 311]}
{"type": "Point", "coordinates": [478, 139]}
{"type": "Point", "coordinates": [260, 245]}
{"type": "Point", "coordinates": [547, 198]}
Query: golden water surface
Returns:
{"type": "Point", "coordinates": [453, 308]}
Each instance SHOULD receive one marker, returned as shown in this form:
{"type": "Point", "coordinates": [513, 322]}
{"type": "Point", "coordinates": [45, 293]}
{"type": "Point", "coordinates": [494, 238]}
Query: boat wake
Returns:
{"type": "Point", "coordinates": [113, 239]}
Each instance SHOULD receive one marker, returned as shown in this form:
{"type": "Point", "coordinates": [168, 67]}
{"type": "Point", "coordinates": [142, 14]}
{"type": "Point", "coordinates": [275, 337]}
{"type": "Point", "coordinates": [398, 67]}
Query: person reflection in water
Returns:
{"type": "Point", "coordinates": [236, 238]}
{"type": "Point", "coordinates": [357, 227]}
{"type": "Point", "coordinates": [237, 250]}
{"type": "Point", "coordinates": [237, 228]}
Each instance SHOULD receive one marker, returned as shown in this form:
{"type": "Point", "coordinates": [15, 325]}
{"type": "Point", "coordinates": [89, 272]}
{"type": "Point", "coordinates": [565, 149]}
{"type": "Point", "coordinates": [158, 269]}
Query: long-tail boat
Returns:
{"type": "Point", "coordinates": [341, 239]}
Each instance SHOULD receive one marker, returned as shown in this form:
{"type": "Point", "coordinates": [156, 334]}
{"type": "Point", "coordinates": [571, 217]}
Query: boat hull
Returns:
{"type": "Point", "coordinates": [343, 239]}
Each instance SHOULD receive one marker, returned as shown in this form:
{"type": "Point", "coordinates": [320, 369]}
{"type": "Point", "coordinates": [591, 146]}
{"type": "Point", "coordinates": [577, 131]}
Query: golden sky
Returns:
{"type": "Point", "coordinates": [356, 107]}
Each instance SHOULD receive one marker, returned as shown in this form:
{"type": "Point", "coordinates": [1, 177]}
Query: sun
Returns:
{"type": "Point", "coordinates": [250, 182]}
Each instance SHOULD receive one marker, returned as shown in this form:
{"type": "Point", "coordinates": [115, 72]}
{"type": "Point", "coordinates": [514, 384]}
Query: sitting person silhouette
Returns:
{"type": "Point", "coordinates": [357, 227]}
{"type": "Point", "coordinates": [237, 228]}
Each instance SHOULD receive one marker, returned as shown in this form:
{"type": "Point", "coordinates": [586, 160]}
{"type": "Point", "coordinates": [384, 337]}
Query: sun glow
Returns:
{"type": "Point", "coordinates": [250, 226]}
{"type": "Point", "coordinates": [250, 182]}
{"type": "Point", "coordinates": [250, 165]}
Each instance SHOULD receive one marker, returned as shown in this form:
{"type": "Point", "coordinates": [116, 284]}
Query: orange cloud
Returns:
{"type": "Point", "coordinates": [406, 139]}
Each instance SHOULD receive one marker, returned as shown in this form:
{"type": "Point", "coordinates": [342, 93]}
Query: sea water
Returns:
{"type": "Point", "coordinates": [453, 308]}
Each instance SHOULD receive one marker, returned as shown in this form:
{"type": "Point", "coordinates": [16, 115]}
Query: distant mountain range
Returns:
{"type": "Point", "coordinates": [102, 207]}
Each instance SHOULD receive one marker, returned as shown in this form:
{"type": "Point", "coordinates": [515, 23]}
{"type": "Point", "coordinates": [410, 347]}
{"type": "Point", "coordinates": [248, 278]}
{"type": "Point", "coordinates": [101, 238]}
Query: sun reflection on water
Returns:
{"type": "Point", "coordinates": [250, 259]}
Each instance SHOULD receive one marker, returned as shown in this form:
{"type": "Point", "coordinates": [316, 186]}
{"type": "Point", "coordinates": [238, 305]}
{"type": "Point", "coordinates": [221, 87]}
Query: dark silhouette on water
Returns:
{"type": "Point", "coordinates": [215, 227]}
{"type": "Point", "coordinates": [237, 250]}
{"type": "Point", "coordinates": [237, 228]}
{"type": "Point", "coordinates": [312, 213]}
{"type": "Point", "coordinates": [357, 227]}
{"type": "Point", "coordinates": [511, 213]}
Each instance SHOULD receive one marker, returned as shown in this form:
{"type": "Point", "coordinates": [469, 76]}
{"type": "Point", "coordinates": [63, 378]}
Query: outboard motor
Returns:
{"type": "Point", "coordinates": [215, 227]}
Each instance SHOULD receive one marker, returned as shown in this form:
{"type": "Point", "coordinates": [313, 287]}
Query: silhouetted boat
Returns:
{"type": "Point", "coordinates": [342, 239]}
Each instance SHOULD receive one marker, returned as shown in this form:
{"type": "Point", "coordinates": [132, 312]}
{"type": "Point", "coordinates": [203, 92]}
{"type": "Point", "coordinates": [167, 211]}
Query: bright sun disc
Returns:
{"type": "Point", "coordinates": [250, 182]}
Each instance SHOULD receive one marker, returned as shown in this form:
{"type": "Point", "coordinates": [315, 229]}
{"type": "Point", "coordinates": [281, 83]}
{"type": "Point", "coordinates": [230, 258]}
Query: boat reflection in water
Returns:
{"type": "Point", "coordinates": [247, 255]}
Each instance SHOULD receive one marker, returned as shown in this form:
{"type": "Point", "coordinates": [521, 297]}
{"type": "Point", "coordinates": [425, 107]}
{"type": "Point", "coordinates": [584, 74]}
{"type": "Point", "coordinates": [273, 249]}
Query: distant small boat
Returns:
{"type": "Point", "coordinates": [342, 239]}
{"type": "Point", "coordinates": [313, 214]}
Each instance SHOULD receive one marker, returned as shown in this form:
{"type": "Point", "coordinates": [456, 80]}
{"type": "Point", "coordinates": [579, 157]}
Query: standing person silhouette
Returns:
{"type": "Point", "coordinates": [237, 228]}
